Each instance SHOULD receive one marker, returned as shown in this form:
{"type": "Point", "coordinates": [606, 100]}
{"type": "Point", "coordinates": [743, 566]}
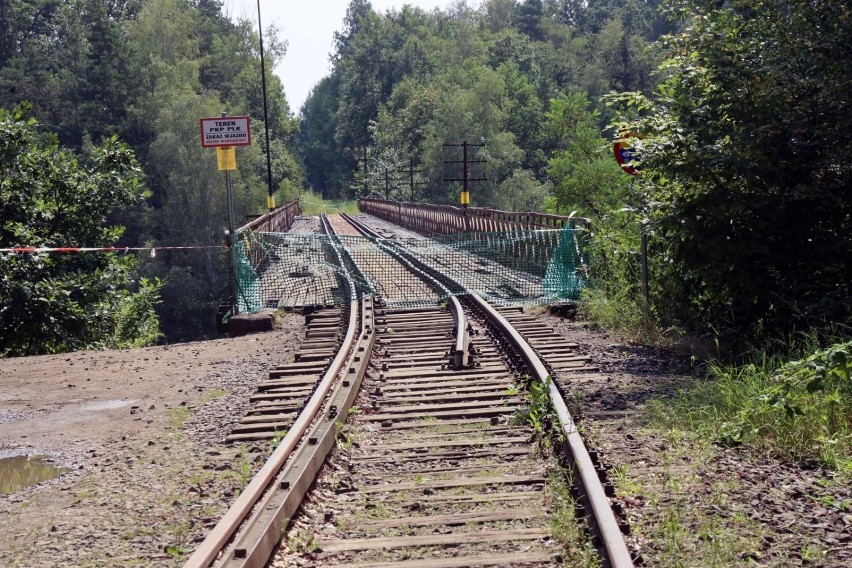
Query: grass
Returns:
{"type": "Point", "coordinates": [565, 528]}
{"type": "Point", "coordinates": [799, 410]}
{"type": "Point", "coordinates": [242, 469]}
{"type": "Point", "coordinates": [313, 204]}
{"type": "Point", "coordinates": [177, 416]}
{"type": "Point", "coordinates": [624, 483]}
{"type": "Point", "coordinates": [686, 525]}
{"type": "Point", "coordinates": [213, 394]}
{"type": "Point", "coordinates": [539, 413]}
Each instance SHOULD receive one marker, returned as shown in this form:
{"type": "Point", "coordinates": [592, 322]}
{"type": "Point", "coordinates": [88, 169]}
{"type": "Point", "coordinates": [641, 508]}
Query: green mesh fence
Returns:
{"type": "Point", "coordinates": [527, 267]}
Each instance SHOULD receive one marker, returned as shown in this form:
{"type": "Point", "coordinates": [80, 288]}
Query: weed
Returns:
{"type": "Point", "coordinates": [242, 471]}
{"type": "Point", "coordinates": [799, 410]}
{"type": "Point", "coordinates": [625, 485]}
{"type": "Point", "coordinates": [213, 394]}
{"type": "Point", "coordinates": [540, 414]}
{"type": "Point", "coordinates": [177, 416]}
{"type": "Point", "coordinates": [813, 554]}
{"type": "Point", "coordinates": [176, 552]}
{"type": "Point", "coordinates": [302, 541]}
{"type": "Point", "coordinates": [345, 438]}
{"type": "Point", "coordinates": [276, 439]}
{"type": "Point", "coordinates": [565, 528]}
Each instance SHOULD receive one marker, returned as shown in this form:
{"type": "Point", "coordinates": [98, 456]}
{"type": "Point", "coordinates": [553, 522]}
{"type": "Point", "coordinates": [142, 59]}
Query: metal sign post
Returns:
{"type": "Point", "coordinates": [224, 133]}
{"type": "Point", "coordinates": [232, 284]}
{"type": "Point", "coordinates": [626, 149]}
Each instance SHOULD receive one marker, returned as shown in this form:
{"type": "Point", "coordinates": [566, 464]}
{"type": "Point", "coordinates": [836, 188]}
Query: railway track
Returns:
{"type": "Point", "coordinates": [433, 469]}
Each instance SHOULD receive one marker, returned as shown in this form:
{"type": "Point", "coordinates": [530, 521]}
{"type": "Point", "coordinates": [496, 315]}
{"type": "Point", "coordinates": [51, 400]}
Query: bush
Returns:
{"type": "Point", "coordinates": [800, 410]}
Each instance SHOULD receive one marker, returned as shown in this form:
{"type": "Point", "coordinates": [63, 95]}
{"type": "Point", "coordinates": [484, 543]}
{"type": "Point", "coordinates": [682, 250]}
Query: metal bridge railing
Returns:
{"type": "Point", "coordinates": [277, 221]}
{"type": "Point", "coordinates": [447, 219]}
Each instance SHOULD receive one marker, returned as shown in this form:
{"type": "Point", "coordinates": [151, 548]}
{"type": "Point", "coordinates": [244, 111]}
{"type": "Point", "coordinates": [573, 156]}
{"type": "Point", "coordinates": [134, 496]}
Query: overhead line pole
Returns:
{"type": "Point", "coordinates": [465, 179]}
{"type": "Point", "coordinates": [411, 171]}
{"type": "Point", "coordinates": [387, 184]}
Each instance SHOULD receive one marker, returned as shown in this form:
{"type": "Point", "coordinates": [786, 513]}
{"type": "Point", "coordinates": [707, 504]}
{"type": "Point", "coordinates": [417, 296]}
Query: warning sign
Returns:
{"type": "Point", "coordinates": [226, 157]}
{"type": "Point", "coordinates": [225, 131]}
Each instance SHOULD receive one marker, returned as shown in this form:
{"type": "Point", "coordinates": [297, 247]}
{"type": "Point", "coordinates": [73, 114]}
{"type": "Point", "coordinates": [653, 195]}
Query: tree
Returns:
{"type": "Point", "coordinates": [745, 155]}
{"type": "Point", "coordinates": [585, 176]}
{"type": "Point", "coordinates": [49, 198]}
{"type": "Point", "coordinates": [528, 20]}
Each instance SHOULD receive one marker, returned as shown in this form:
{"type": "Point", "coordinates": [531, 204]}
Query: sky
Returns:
{"type": "Point", "coordinates": [309, 26]}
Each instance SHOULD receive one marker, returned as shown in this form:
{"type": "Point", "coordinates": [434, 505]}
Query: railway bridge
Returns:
{"type": "Point", "coordinates": [422, 355]}
{"type": "Point", "coordinates": [522, 258]}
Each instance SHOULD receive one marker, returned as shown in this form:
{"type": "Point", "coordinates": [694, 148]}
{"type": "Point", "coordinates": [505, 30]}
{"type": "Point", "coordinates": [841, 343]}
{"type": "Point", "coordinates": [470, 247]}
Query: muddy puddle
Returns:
{"type": "Point", "coordinates": [109, 404]}
{"type": "Point", "coordinates": [20, 471]}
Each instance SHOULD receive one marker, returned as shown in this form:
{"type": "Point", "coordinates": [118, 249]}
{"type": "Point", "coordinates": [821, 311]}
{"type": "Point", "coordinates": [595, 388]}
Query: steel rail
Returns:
{"type": "Point", "coordinates": [218, 537]}
{"type": "Point", "coordinates": [460, 353]}
{"type": "Point", "coordinates": [392, 251]}
{"type": "Point", "coordinates": [603, 517]}
{"type": "Point", "coordinates": [258, 539]}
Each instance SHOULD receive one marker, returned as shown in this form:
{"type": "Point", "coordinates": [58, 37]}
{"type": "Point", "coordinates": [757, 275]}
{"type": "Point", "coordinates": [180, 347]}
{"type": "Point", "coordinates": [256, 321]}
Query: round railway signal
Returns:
{"type": "Point", "coordinates": [626, 151]}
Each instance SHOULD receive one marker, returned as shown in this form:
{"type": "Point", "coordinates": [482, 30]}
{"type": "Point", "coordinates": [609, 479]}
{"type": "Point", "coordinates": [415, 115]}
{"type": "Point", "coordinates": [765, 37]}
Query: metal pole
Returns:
{"type": "Point", "coordinates": [464, 172]}
{"type": "Point", "coordinates": [387, 186]}
{"type": "Point", "coordinates": [232, 278]}
{"type": "Point", "coordinates": [365, 171]}
{"type": "Point", "coordinates": [270, 202]}
{"type": "Point", "coordinates": [235, 307]}
{"type": "Point", "coordinates": [411, 176]}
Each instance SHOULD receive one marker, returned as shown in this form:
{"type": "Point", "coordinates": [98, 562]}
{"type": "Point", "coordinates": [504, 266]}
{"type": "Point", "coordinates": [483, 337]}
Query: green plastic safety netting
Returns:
{"type": "Point", "coordinates": [526, 267]}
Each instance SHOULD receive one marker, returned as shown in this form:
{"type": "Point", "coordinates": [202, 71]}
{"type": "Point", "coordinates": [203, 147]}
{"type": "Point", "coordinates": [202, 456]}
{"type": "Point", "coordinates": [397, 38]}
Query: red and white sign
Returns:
{"type": "Point", "coordinates": [626, 150]}
{"type": "Point", "coordinates": [225, 131]}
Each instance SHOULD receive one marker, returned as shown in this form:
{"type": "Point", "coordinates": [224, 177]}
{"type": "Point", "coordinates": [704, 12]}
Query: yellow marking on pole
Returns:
{"type": "Point", "coordinates": [465, 198]}
{"type": "Point", "coordinates": [227, 158]}
{"type": "Point", "coordinates": [270, 202]}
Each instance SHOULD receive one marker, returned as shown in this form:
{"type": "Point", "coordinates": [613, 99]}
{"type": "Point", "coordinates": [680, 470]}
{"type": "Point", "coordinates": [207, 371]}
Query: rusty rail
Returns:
{"type": "Point", "coordinates": [447, 219]}
{"type": "Point", "coordinates": [588, 482]}
{"type": "Point", "coordinates": [276, 221]}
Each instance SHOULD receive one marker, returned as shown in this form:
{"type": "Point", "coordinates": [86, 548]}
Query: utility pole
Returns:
{"type": "Point", "coordinates": [270, 198]}
{"type": "Point", "coordinates": [465, 162]}
{"type": "Point", "coordinates": [364, 171]}
{"type": "Point", "coordinates": [411, 171]}
{"type": "Point", "coordinates": [387, 185]}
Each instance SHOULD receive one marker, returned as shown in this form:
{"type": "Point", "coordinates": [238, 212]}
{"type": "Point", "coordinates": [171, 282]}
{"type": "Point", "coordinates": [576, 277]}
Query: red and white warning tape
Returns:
{"type": "Point", "coordinates": [37, 250]}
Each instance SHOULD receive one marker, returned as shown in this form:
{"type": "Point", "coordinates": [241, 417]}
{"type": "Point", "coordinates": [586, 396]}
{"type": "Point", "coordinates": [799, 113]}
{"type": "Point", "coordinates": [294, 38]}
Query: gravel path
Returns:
{"type": "Point", "coordinates": [142, 431]}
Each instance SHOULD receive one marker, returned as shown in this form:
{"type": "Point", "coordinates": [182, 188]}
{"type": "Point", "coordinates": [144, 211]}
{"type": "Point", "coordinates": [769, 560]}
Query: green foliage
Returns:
{"type": "Point", "coordinates": [406, 82]}
{"type": "Point", "coordinates": [50, 198]}
{"type": "Point", "coordinates": [566, 529]}
{"type": "Point", "coordinates": [135, 323]}
{"type": "Point", "coordinates": [799, 409]}
{"type": "Point", "coordinates": [312, 204]}
{"type": "Point", "coordinates": [539, 413]}
{"type": "Point", "coordinates": [743, 157]}
{"type": "Point", "coordinates": [150, 70]}
{"type": "Point", "coordinates": [586, 177]}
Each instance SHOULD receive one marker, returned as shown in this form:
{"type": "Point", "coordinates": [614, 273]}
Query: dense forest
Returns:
{"type": "Point", "coordinates": [742, 108]}
{"type": "Point", "coordinates": [144, 72]}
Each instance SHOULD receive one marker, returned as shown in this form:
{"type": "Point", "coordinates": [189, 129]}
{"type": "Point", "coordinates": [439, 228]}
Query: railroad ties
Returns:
{"type": "Point", "coordinates": [434, 470]}
{"type": "Point", "coordinates": [279, 400]}
{"type": "Point", "coordinates": [562, 357]}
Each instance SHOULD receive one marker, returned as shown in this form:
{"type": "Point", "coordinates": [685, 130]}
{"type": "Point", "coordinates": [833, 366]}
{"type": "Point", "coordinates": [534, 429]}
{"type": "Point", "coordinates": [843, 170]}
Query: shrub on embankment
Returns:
{"type": "Point", "coordinates": [799, 410]}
